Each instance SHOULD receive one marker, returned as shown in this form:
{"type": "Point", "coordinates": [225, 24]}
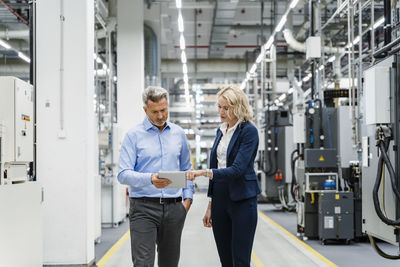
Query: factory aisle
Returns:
{"type": "Point", "coordinates": [273, 245]}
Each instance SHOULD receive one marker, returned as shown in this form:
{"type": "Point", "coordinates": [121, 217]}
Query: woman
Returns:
{"type": "Point", "coordinates": [233, 187]}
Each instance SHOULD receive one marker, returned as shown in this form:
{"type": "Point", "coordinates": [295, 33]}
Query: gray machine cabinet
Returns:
{"type": "Point", "coordinates": [336, 216]}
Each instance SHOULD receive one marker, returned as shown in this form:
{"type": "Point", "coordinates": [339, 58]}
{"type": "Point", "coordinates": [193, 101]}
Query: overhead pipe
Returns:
{"type": "Point", "coordinates": [301, 47]}
{"type": "Point", "coordinates": [387, 28]}
{"type": "Point", "coordinates": [7, 34]}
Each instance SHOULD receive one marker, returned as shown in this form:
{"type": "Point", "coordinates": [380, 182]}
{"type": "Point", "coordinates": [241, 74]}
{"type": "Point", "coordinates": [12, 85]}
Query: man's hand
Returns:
{"type": "Point", "coordinates": [186, 204]}
{"type": "Point", "coordinates": [159, 182]}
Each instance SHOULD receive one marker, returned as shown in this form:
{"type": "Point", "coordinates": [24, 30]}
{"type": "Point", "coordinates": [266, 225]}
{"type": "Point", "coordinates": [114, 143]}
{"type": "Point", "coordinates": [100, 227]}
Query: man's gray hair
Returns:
{"type": "Point", "coordinates": [154, 93]}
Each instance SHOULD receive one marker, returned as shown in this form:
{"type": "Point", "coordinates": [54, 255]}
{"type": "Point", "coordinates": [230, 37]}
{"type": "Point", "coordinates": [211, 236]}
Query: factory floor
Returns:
{"type": "Point", "coordinates": [275, 244]}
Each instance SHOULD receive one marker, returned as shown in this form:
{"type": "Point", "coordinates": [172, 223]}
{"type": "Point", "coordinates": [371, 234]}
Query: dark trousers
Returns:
{"type": "Point", "coordinates": [234, 225]}
{"type": "Point", "coordinates": [154, 224]}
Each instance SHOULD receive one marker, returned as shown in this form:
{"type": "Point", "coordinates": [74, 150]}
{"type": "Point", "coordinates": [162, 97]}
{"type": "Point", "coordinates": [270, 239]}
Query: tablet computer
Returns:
{"type": "Point", "coordinates": [178, 178]}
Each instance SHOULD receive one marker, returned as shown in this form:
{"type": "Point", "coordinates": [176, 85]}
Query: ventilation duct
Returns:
{"type": "Point", "coordinates": [223, 19]}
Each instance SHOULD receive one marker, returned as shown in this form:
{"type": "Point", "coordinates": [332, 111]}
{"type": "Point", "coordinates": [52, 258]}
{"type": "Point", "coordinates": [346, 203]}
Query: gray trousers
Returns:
{"type": "Point", "coordinates": [154, 224]}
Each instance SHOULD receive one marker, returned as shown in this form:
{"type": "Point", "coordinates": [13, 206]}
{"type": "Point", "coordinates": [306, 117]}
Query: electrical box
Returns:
{"type": "Point", "coordinates": [313, 47]}
{"type": "Point", "coordinates": [377, 95]}
{"type": "Point", "coordinates": [299, 130]}
{"type": "Point", "coordinates": [320, 158]}
{"type": "Point", "coordinates": [16, 119]}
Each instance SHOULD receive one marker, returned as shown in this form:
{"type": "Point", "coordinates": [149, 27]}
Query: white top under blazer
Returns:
{"type": "Point", "coordinates": [222, 148]}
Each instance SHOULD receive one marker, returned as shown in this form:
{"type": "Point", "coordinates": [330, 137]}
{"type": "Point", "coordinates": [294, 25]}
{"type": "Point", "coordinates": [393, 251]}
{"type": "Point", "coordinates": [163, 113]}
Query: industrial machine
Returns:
{"type": "Point", "coordinates": [322, 169]}
{"type": "Point", "coordinates": [274, 158]}
{"type": "Point", "coordinates": [20, 196]}
{"type": "Point", "coordinates": [380, 158]}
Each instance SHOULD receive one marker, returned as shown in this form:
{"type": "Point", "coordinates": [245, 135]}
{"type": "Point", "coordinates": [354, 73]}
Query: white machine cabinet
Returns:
{"type": "Point", "coordinates": [21, 224]}
{"type": "Point", "coordinates": [16, 128]}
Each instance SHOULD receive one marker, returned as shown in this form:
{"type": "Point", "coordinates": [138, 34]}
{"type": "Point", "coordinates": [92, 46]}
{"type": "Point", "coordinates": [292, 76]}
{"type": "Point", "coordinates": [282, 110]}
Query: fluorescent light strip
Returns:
{"type": "Point", "coordinates": [253, 68]}
{"type": "Point", "coordinates": [281, 24]}
{"type": "Point", "coordinates": [379, 22]}
{"type": "Point", "coordinates": [5, 44]}
{"type": "Point", "coordinates": [24, 57]}
{"type": "Point", "coordinates": [293, 4]}
{"type": "Point", "coordinates": [260, 57]}
{"type": "Point", "coordinates": [178, 3]}
{"type": "Point", "coordinates": [183, 57]}
{"type": "Point", "coordinates": [182, 42]}
{"type": "Point", "coordinates": [180, 22]}
{"type": "Point", "coordinates": [184, 69]}
{"type": "Point", "coordinates": [269, 42]}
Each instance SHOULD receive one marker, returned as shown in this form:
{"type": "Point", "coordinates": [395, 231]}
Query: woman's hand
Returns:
{"type": "Point", "coordinates": [192, 174]}
{"type": "Point", "coordinates": [207, 217]}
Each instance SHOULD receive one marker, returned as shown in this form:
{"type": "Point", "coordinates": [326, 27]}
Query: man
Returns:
{"type": "Point", "coordinates": [157, 214]}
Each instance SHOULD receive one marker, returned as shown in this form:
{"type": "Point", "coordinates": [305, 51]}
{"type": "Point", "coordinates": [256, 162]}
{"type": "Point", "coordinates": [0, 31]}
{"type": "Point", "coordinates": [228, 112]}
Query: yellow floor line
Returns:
{"type": "Point", "coordinates": [257, 262]}
{"type": "Point", "coordinates": [113, 249]}
{"type": "Point", "coordinates": [310, 249]}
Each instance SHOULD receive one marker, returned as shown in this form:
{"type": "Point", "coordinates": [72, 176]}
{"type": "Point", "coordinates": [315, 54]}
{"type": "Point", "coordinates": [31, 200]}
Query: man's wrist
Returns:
{"type": "Point", "coordinates": [191, 200]}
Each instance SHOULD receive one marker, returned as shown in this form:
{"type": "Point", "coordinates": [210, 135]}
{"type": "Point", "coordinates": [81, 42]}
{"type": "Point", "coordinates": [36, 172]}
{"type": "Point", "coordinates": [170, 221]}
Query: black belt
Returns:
{"type": "Point", "coordinates": [159, 199]}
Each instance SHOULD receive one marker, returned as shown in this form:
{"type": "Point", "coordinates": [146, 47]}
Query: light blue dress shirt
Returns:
{"type": "Point", "coordinates": [145, 150]}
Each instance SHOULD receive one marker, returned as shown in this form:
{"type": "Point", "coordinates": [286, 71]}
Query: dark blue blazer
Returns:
{"type": "Point", "coordinates": [239, 172]}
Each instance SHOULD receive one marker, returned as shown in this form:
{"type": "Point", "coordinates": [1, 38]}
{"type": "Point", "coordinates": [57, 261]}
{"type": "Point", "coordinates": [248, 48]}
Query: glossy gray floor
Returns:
{"type": "Point", "coordinates": [272, 247]}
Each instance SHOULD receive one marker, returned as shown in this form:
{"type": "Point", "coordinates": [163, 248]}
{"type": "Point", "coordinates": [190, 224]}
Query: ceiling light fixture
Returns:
{"type": "Point", "coordinates": [260, 57]}
{"type": "Point", "coordinates": [183, 57]}
{"type": "Point", "coordinates": [182, 42]}
{"type": "Point", "coordinates": [379, 22]}
{"type": "Point", "coordinates": [184, 69]}
{"type": "Point", "coordinates": [253, 68]}
{"type": "Point", "coordinates": [4, 44]}
{"type": "Point", "coordinates": [24, 57]}
{"type": "Point", "coordinates": [331, 59]}
{"type": "Point", "coordinates": [269, 43]}
{"type": "Point", "coordinates": [178, 3]}
{"type": "Point", "coordinates": [294, 4]}
{"type": "Point", "coordinates": [180, 22]}
{"type": "Point", "coordinates": [281, 23]}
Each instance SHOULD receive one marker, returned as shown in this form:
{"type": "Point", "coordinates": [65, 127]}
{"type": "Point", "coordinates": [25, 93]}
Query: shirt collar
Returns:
{"type": "Point", "coordinates": [225, 125]}
{"type": "Point", "coordinates": [148, 125]}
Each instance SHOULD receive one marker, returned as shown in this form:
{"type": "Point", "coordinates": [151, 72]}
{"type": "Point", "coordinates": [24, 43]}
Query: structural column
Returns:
{"type": "Point", "coordinates": [66, 133]}
{"type": "Point", "coordinates": [130, 58]}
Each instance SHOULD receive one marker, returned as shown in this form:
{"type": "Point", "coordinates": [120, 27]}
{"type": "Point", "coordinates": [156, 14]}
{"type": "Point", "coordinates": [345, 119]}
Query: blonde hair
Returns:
{"type": "Point", "coordinates": [239, 101]}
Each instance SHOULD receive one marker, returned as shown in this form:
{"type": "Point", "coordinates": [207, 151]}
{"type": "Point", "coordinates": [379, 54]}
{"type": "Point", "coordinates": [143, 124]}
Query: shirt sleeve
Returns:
{"type": "Point", "coordinates": [185, 164]}
{"type": "Point", "coordinates": [127, 161]}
